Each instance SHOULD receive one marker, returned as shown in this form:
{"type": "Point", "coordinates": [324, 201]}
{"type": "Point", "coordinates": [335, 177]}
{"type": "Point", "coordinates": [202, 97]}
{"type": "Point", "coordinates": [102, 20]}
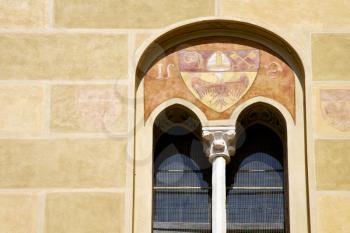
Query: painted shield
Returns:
{"type": "Point", "coordinates": [219, 78]}
{"type": "Point", "coordinates": [335, 107]}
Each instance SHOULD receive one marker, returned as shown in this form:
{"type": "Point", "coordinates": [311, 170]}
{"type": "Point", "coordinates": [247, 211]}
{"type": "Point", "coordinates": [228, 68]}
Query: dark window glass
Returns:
{"type": "Point", "coordinates": [255, 184]}
{"type": "Point", "coordinates": [181, 184]}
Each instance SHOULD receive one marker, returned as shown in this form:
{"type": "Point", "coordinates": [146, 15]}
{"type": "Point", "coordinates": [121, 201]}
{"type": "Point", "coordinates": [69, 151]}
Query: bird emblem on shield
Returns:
{"type": "Point", "coordinates": [219, 78]}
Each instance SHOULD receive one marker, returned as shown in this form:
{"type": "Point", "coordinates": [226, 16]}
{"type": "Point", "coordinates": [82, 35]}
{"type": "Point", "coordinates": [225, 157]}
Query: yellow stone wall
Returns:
{"type": "Point", "coordinates": [66, 69]}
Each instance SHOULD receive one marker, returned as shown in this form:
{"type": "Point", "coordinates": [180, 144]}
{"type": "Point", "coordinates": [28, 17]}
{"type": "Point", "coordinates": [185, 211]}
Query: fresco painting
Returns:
{"type": "Point", "coordinates": [335, 108]}
{"type": "Point", "coordinates": [98, 108]}
{"type": "Point", "coordinates": [217, 77]}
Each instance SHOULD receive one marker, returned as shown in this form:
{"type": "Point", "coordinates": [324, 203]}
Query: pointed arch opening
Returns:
{"type": "Point", "coordinates": [257, 176]}
{"type": "Point", "coordinates": [181, 174]}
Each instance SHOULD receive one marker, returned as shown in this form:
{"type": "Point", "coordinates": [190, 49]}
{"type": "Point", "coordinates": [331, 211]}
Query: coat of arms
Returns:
{"type": "Point", "coordinates": [335, 107]}
{"type": "Point", "coordinates": [219, 78]}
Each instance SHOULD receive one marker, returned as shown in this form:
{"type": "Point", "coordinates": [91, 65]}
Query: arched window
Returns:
{"type": "Point", "coordinates": [182, 175]}
{"type": "Point", "coordinates": [256, 179]}
{"type": "Point", "coordinates": [222, 71]}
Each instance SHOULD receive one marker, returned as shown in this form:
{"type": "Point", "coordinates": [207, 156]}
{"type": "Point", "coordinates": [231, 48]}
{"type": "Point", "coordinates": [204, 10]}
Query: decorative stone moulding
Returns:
{"type": "Point", "coordinates": [218, 142]}
{"type": "Point", "coordinates": [265, 114]}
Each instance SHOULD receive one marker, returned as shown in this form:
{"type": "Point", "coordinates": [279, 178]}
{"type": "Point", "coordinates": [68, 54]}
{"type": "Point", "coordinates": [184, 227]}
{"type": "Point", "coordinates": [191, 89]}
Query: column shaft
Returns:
{"type": "Point", "coordinates": [219, 195]}
{"type": "Point", "coordinates": [219, 147]}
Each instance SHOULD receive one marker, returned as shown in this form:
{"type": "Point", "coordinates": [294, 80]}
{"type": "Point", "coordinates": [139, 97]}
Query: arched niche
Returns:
{"type": "Point", "coordinates": [282, 74]}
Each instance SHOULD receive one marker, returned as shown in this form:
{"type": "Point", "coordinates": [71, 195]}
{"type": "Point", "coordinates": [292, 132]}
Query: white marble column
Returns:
{"type": "Point", "coordinates": [219, 148]}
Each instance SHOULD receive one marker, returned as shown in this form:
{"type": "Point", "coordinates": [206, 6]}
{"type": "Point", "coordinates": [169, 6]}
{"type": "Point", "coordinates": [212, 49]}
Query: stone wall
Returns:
{"type": "Point", "coordinates": [66, 106]}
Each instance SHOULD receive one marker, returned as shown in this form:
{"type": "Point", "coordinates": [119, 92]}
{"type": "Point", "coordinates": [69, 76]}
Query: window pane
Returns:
{"type": "Point", "coordinates": [181, 185]}
{"type": "Point", "coordinates": [182, 206]}
{"type": "Point", "coordinates": [255, 191]}
{"type": "Point", "coordinates": [257, 194]}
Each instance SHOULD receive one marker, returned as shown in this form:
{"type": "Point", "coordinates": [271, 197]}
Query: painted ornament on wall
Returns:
{"type": "Point", "coordinates": [217, 77]}
{"type": "Point", "coordinates": [98, 108]}
{"type": "Point", "coordinates": [335, 108]}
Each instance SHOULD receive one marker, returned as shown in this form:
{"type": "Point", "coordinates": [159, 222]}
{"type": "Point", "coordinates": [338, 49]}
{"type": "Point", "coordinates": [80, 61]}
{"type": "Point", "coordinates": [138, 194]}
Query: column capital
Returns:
{"type": "Point", "coordinates": [219, 142]}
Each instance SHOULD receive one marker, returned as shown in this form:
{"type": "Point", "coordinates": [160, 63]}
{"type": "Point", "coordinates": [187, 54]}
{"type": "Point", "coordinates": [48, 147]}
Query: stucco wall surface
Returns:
{"type": "Point", "coordinates": [67, 70]}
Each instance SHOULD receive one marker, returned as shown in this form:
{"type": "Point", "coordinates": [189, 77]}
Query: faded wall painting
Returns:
{"type": "Point", "coordinates": [217, 75]}
{"type": "Point", "coordinates": [332, 110]}
{"type": "Point", "coordinates": [85, 108]}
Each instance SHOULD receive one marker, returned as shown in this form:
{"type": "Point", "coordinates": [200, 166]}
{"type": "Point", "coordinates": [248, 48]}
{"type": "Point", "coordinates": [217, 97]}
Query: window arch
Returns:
{"type": "Point", "coordinates": [182, 174]}
{"type": "Point", "coordinates": [174, 39]}
{"type": "Point", "coordinates": [255, 195]}
{"type": "Point", "coordinates": [257, 178]}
